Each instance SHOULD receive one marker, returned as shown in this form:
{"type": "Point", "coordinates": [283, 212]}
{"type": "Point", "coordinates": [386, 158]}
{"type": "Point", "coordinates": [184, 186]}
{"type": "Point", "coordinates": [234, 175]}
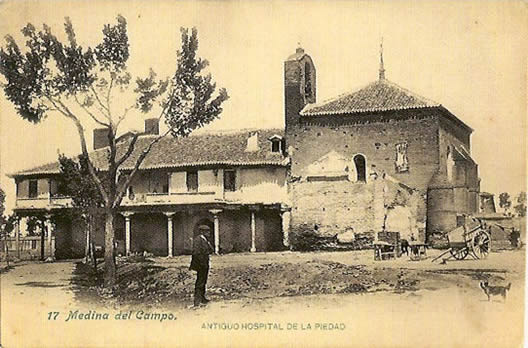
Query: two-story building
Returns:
{"type": "Point", "coordinates": [233, 183]}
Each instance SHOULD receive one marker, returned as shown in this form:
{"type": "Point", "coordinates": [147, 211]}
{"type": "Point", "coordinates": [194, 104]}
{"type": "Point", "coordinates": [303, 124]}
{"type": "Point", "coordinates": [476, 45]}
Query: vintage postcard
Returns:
{"type": "Point", "coordinates": [263, 173]}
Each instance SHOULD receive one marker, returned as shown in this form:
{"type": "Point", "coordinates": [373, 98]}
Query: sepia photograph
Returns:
{"type": "Point", "coordinates": [263, 173]}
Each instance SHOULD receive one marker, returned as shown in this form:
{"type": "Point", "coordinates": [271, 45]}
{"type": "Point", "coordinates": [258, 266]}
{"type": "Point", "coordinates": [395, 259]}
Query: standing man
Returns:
{"type": "Point", "coordinates": [200, 263]}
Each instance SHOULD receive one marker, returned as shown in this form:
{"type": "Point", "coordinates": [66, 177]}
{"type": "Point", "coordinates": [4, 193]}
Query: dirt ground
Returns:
{"type": "Point", "coordinates": [268, 275]}
{"type": "Point", "coordinates": [270, 299]}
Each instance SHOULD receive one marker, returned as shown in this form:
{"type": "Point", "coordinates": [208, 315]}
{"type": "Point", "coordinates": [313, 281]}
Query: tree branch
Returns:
{"type": "Point", "coordinates": [80, 129]}
{"type": "Point", "coordinates": [129, 151]}
{"type": "Point", "coordinates": [90, 113]}
{"type": "Point", "coordinates": [122, 117]}
{"type": "Point", "coordinates": [100, 103]}
{"type": "Point", "coordinates": [122, 188]}
{"type": "Point", "coordinates": [108, 97]}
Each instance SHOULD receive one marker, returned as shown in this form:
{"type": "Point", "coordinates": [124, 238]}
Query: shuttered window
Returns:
{"type": "Point", "coordinates": [230, 180]}
{"type": "Point", "coordinates": [33, 189]}
{"type": "Point", "coordinates": [192, 181]}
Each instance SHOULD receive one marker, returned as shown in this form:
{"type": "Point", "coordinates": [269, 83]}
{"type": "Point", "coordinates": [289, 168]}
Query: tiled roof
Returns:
{"type": "Point", "coordinates": [381, 95]}
{"type": "Point", "coordinates": [223, 148]}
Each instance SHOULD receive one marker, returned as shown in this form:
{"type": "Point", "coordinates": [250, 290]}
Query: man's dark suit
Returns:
{"type": "Point", "coordinates": [200, 263]}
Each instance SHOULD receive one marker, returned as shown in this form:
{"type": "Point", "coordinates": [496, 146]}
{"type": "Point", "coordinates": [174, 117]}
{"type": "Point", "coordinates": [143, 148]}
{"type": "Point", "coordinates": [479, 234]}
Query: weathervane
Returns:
{"type": "Point", "coordinates": [381, 68]}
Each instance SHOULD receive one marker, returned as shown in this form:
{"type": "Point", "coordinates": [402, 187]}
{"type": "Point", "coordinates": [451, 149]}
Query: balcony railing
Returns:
{"type": "Point", "coordinates": [172, 198]}
{"type": "Point", "coordinates": [267, 194]}
{"type": "Point", "coordinates": [43, 203]}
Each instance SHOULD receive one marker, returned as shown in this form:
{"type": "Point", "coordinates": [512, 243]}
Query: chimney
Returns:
{"type": "Point", "coordinates": [152, 126]}
{"type": "Point", "coordinates": [252, 143]}
{"type": "Point", "coordinates": [100, 138]}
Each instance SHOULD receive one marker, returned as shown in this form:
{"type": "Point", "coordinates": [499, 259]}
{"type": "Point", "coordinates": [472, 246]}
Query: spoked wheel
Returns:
{"type": "Point", "coordinates": [460, 254]}
{"type": "Point", "coordinates": [481, 244]}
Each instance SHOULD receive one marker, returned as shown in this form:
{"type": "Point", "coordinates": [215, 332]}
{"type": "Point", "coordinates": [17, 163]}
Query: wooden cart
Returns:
{"type": "Point", "coordinates": [472, 239]}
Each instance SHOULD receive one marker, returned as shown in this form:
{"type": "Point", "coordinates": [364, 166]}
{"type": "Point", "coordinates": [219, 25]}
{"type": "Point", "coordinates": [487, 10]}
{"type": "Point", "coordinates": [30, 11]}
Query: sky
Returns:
{"type": "Point", "coordinates": [469, 56]}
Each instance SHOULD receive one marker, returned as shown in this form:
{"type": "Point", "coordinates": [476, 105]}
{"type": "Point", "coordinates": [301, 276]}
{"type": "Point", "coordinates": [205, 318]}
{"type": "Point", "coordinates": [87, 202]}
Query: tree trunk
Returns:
{"type": "Point", "coordinates": [87, 249]}
{"type": "Point", "coordinates": [42, 240]}
{"type": "Point", "coordinates": [6, 249]}
{"type": "Point", "coordinates": [110, 266]}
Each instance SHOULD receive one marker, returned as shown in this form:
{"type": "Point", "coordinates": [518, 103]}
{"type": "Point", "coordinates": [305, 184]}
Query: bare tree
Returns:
{"type": "Point", "coordinates": [88, 85]}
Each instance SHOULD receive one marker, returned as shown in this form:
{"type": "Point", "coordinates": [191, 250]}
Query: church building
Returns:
{"type": "Point", "coordinates": [377, 159]}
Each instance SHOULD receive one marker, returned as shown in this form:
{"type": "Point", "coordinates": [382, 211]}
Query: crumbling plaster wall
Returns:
{"type": "Point", "coordinates": [339, 207]}
{"type": "Point", "coordinates": [388, 200]}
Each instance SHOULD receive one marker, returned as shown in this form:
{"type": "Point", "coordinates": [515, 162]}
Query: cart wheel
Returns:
{"type": "Point", "coordinates": [481, 244]}
{"type": "Point", "coordinates": [460, 254]}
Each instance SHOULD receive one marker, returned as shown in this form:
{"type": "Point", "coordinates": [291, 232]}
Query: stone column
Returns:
{"type": "Point", "coordinates": [127, 216]}
{"type": "Point", "coordinates": [215, 213]}
{"type": "Point", "coordinates": [51, 256]}
{"type": "Point", "coordinates": [170, 216]}
{"type": "Point", "coordinates": [17, 236]}
{"type": "Point", "coordinates": [253, 232]}
{"type": "Point", "coordinates": [286, 217]}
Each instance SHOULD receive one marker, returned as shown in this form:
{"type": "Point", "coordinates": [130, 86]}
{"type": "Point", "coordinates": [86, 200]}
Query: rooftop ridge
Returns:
{"type": "Point", "coordinates": [221, 146]}
{"type": "Point", "coordinates": [345, 101]}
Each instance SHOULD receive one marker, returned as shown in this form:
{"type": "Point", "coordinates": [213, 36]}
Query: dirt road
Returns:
{"type": "Point", "coordinates": [454, 316]}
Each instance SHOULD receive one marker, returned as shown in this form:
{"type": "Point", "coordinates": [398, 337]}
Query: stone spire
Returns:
{"type": "Point", "coordinates": [381, 68]}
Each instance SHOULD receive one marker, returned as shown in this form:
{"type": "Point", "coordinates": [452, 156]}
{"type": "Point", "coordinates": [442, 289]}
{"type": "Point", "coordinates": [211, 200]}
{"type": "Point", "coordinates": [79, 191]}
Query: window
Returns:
{"type": "Point", "coordinates": [361, 168]}
{"type": "Point", "coordinates": [192, 181]}
{"type": "Point", "coordinates": [131, 194]}
{"type": "Point", "coordinates": [402, 162]}
{"type": "Point", "coordinates": [33, 188]}
{"type": "Point", "coordinates": [275, 146]}
{"type": "Point", "coordinates": [307, 80]}
{"type": "Point", "coordinates": [230, 180]}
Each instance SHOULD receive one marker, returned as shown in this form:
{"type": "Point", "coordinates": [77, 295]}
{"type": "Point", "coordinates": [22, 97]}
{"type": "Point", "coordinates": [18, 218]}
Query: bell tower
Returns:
{"type": "Point", "coordinates": [299, 86]}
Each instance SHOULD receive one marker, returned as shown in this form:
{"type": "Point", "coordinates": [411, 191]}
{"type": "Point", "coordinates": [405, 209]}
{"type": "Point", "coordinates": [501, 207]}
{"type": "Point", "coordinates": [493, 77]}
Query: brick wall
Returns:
{"type": "Point", "coordinates": [449, 197]}
{"type": "Point", "coordinates": [376, 141]}
{"type": "Point", "coordinates": [335, 206]}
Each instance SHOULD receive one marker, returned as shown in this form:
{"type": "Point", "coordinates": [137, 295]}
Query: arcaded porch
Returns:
{"type": "Point", "coordinates": [233, 229]}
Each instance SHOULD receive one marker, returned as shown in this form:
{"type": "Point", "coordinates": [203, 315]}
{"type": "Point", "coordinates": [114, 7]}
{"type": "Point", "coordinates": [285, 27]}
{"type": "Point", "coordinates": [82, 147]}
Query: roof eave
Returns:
{"type": "Point", "coordinates": [363, 111]}
{"type": "Point", "coordinates": [456, 119]}
{"type": "Point", "coordinates": [37, 173]}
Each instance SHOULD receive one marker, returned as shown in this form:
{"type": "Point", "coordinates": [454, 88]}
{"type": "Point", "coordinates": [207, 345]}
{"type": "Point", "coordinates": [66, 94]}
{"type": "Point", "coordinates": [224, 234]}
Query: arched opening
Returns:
{"type": "Point", "coordinates": [361, 168]}
{"type": "Point", "coordinates": [307, 80]}
{"type": "Point", "coordinates": [207, 226]}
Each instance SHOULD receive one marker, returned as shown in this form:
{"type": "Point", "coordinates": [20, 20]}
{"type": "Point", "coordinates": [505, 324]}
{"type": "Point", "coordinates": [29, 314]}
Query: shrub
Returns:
{"type": "Point", "coordinates": [304, 239]}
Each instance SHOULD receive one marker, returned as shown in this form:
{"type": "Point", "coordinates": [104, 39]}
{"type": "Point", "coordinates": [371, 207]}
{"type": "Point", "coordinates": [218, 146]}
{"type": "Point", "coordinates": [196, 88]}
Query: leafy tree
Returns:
{"type": "Point", "coordinates": [32, 225]}
{"type": "Point", "coordinates": [7, 224]}
{"type": "Point", "coordinates": [3, 233]}
{"type": "Point", "coordinates": [77, 183]}
{"type": "Point", "coordinates": [505, 202]}
{"type": "Point", "coordinates": [88, 85]}
{"type": "Point", "coordinates": [520, 208]}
